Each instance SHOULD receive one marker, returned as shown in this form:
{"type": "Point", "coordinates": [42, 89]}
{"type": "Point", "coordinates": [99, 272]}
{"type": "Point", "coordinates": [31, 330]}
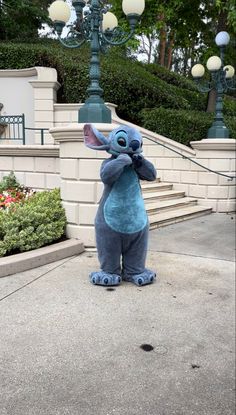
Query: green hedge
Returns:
{"type": "Point", "coordinates": [182, 126]}
{"type": "Point", "coordinates": [37, 222]}
{"type": "Point", "coordinates": [171, 77]}
{"type": "Point", "coordinates": [131, 85]}
{"type": "Point", "coordinates": [230, 106]}
{"type": "Point", "coordinates": [125, 82]}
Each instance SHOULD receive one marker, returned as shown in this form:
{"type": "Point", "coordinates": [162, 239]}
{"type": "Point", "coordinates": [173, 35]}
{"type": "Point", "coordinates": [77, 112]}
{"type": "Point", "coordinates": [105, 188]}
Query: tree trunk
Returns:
{"type": "Point", "coordinates": [170, 51]}
{"type": "Point", "coordinates": [185, 61]}
{"type": "Point", "coordinates": [211, 101]}
{"type": "Point", "coordinates": [162, 47]}
{"type": "Point", "coordinates": [149, 52]}
{"type": "Point", "coordinates": [222, 22]}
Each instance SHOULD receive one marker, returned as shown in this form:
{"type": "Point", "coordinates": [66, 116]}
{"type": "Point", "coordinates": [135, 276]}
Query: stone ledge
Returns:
{"type": "Point", "coordinates": [29, 151]}
{"type": "Point", "coordinates": [228, 144]}
{"type": "Point", "coordinates": [38, 257]}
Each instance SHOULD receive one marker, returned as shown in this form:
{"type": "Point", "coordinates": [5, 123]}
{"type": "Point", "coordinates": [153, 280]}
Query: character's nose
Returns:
{"type": "Point", "coordinates": [134, 144]}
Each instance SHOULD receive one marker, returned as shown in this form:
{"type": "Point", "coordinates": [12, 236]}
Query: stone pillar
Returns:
{"type": "Point", "coordinates": [81, 187]}
{"type": "Point", "coordinates": [211, 189]}
{"type": "Point", "coordinates": [45, 96]}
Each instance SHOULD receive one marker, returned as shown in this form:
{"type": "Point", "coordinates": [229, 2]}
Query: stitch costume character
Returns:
{"type": "Point", "coordinates": [121, 223]}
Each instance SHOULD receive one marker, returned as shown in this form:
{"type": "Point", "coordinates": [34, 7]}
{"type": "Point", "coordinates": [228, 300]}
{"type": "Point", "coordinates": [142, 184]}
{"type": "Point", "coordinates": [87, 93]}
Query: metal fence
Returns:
{"type": "Point", "coordinates": [12, 127]}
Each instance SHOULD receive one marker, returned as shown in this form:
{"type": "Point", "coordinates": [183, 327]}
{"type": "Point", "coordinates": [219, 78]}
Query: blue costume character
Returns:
{"type": "Point", "coordinates": [121, 223]}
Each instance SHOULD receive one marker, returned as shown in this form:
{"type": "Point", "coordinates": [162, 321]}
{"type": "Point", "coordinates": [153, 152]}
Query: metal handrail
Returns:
{"type": "Point", "coordinates": [41, 132]}
{"type": "Point", "coordinates": [19, 120]}
{"type": "Point", "coordinates": [230, 178]}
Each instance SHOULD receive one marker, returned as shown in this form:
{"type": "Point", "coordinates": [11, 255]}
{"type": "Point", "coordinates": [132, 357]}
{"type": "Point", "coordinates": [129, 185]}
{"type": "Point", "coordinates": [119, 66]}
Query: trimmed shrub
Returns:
{"type": "Point", "coordinates": [39, 221]}
{"type": "Point", "coordinates": [229, 106]}
{"type": "Point", "coordinates": [182, 126]}
{"type": "Point", "coordinates": [132, 85]}
{"type": "Point", "coordinates": [171, 77]}
{"type": "Point", "coordinates": [132, 88]}
{"type": "Point", "coordinates": [126, 82]}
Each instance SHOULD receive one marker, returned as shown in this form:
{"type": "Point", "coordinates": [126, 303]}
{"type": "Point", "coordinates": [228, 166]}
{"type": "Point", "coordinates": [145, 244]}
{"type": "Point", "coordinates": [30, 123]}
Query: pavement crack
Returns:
{"type": "Point", "coordinates": [192, 255]}
{"type": "Point", "coordinates": [35, 279]}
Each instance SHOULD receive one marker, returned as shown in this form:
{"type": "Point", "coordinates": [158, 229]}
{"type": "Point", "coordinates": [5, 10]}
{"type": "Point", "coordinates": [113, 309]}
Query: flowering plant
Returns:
{"type": "Point", "coordinates": [38, 221]}
{"type": "Point", "coordinates": [12, 192]}
{"type": "Point", "coordinates": [11, 196]}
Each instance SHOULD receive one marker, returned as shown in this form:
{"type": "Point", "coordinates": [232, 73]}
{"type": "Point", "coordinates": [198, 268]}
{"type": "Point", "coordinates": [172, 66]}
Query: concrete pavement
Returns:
{"type": "Point", "coordinates": [67, 347]}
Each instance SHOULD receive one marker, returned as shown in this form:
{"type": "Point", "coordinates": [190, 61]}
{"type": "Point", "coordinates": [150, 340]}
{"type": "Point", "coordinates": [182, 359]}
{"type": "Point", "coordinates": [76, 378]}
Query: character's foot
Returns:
{"type": "Point", "coordinates": [103, 278]}
{"type": "Point", "coordinates": [146, 277]}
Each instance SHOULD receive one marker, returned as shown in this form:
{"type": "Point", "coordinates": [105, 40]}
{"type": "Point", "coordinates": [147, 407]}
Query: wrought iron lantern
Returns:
{"type": "Point", "coordinates": [222, 80]}
{"type": "Point", "coordinates": [97, 25]}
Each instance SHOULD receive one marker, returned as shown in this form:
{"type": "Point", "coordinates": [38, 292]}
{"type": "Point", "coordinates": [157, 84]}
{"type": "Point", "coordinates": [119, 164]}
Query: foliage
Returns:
{"type": "Point", "coordinates": [132, 85]}
{"type": "Point", "coordinates": [9, 182]}
{"type": "Point", "coordinates": [11, 196]}
{"type": "Point", "coordinates": [11, 192]}
{"type": "Point", "coordinates": [180, 125]}
{"type": "Point", "coordinates": [171, 77]}
{"type": "Point", "coordinates": [20, 19]}
{"type": "Point", "coordinates": [39, 221]}
{"type": "Point", "coordinates": [230, 106]}
{"type": "Point", "coordinates": [185, 30]}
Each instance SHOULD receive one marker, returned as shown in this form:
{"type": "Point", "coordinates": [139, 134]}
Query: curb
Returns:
{"type": "Point", "coordinates": [38, 257]}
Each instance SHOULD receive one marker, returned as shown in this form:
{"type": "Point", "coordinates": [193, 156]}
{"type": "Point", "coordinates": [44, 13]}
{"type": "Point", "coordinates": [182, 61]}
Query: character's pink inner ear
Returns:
{"type": "Point", "coordinates": [90, 138]}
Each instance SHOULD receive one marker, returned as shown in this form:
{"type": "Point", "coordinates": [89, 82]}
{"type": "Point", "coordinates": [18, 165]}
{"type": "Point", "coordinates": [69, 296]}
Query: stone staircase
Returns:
{"type": "Point", "coordinates": [165, 205]}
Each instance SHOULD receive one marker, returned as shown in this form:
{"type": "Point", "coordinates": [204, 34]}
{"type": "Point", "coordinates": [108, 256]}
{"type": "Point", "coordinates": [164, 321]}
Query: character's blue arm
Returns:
{"type": "Point", "coordinates": [144, 169]}
{"type": "Point", "coordinates": [112, 168]}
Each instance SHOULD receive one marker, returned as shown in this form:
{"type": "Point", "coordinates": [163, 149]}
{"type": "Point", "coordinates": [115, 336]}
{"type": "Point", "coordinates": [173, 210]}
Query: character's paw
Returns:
{"type": "Point", "coordinates": [146, 277]}
{"type": "Point", "coordinates": [105, 279]}
{"type": "Point", "coordinates": [137, 160]}
{"type": "Point", "coordinates": [126, 159]}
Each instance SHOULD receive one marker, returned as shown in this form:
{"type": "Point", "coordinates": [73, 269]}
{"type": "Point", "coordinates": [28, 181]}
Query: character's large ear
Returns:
{"type": "Point", "coordinates": [94, 139]}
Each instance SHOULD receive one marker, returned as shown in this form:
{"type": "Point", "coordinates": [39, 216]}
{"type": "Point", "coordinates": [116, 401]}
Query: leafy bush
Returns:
{"type": "Point", "coordinates": [39, 221]}
{"type": "Point", "coordinates": [132, 85]}
{"type": "Point", "coordinates": [229, 106]}
{"type": "Point", "coordinates": [182, 126]}
{"type": "Point", "coordinates": [171, 77]}
{"type": "Point", "coordinates": [9, 182]}
{"type": "Point", "coordinates": [127, 83]}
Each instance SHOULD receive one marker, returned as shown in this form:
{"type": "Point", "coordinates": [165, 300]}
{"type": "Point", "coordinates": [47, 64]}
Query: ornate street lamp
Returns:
{"type": "Point", "coordinates": [222, 80]}
{"type": "Point", "coordinates": [96, 24]}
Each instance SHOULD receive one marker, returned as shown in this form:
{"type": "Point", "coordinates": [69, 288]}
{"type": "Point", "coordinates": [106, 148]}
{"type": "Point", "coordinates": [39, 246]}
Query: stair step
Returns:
{"type": "Point", "coordinates": [166, 194]}
{"type": "Point", "coordinates": [164, 205]}
{"type": "Point", "coordinates": [158, 179]}
{"type": "Point", "coordinates": [177, 215]}
{"type": "Point", "coordinates": [156, 186]}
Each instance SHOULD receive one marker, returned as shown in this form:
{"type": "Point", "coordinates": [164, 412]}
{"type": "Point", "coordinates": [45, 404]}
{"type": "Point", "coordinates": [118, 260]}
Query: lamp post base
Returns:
{"type": "Point", "coordinates": [218, 131]}
{"type": "Point", "coordinates": [92, 112]}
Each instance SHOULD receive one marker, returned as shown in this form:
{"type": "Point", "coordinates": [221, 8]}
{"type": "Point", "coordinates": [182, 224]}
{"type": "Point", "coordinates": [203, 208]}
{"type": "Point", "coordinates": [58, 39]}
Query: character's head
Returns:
{"type": "Point", "coordinates": [122, 139]}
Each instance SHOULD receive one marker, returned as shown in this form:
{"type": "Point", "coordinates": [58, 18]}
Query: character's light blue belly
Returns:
{"type": "Point", "coordinates": [124, 209]}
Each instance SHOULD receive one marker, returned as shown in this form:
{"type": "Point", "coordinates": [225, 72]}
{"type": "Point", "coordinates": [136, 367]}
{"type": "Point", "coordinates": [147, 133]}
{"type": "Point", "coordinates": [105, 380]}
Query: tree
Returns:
{"type": "Point", "coordinates": [185, 30]}
{"type": "Point", "coordinates": [21, 19]}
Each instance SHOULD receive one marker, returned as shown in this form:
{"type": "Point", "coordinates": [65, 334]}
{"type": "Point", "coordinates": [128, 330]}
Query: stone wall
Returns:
{"type": "Point", "coordinates": [34, 166]}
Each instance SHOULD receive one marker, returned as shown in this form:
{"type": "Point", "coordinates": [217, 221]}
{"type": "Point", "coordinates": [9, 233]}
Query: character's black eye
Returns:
{"type": "Point", "coordinates": [122, 142]}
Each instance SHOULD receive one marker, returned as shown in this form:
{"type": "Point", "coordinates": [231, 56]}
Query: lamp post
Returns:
{"type": "Point", "coordinates": [222, 80]}
{"type": "Point", "coordinates": [97, 25]}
